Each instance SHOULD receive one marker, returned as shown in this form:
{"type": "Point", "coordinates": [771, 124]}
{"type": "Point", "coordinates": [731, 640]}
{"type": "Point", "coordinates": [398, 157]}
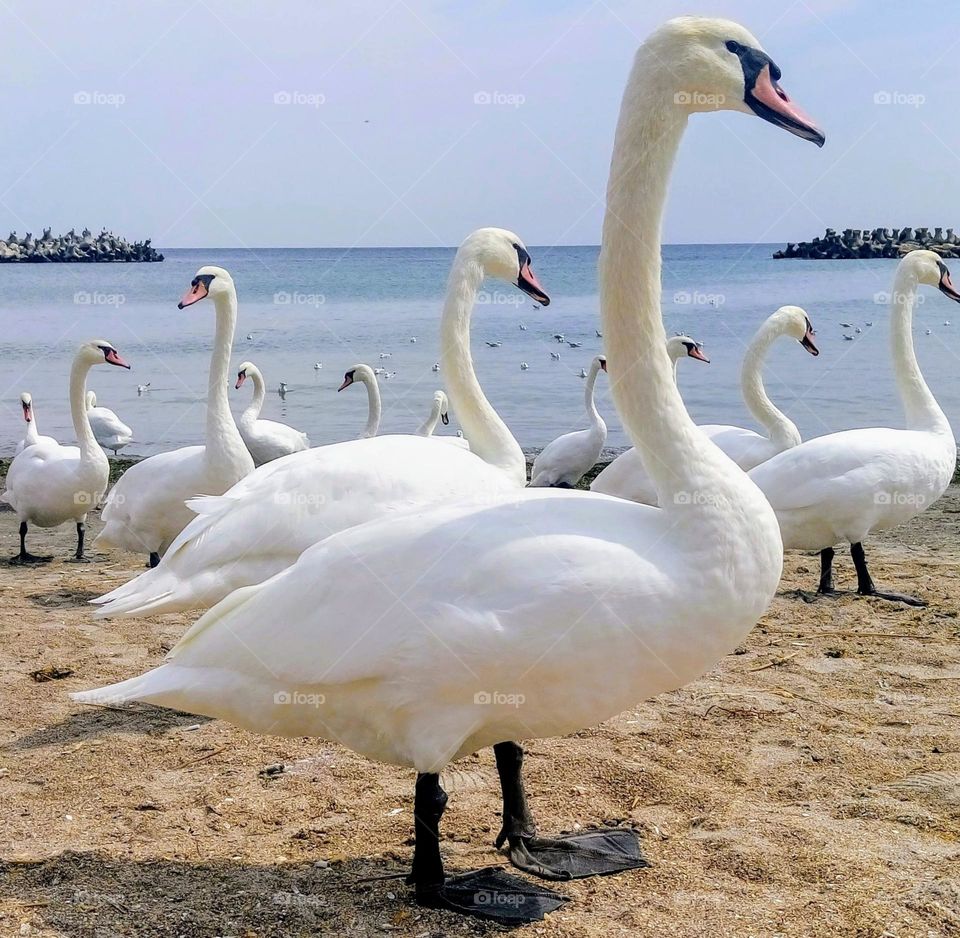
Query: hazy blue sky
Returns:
{"type": "Point", "coordinates": [166, 119]}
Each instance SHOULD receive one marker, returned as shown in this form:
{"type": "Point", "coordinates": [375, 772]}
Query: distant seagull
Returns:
{"type": "Point", "coordinates": [929, 332]}
{"type": "Point", "coordinates": [847, 325]}
{"type": "Point", "coordinates": [868, 323]}
{"type": "Point", "coordinates": [858, 330]}
{"type": "Point", "coordinates": [384, 355]}
{"type": "Point", "coordinates": [390, 374]}
{"type": "Point", "coordinates": [142, 389]}
{"type": "Point", "coordinates": [523, 328]}
{"type": "Point", "coordinates": [555, 356]}
{"type": "Point", "coordinates": [379, 371]}
{"type": "Point", "coordinates": [249, 335]}
{"type": "Point", "coordinates": [524, 366]}
{"type": "Point", "coordinates": [317, 366]}
{"type": "Point", "coordinates": [494, 344]}
{"type": "Point", "coordinates": [436, 366]}
{"type": "Point", "coordinates": [599, 334]}
{"type": "Point", "coordinates": [413, 340]}
{"type": "Point", "coordinates": [536, 306]}
{"type": "Point", "coordinates": [282, 391]}
{"type": "Point", "coordinates": [583, 372]}
{"type": "Point", "coordinates": [574, 344]}
{"type": "Point", "coordinates": [558, 336]}
{"type": "Point", "coordinates": [849, 338]}
{"type": "Point", "coordinates": [946, 322]}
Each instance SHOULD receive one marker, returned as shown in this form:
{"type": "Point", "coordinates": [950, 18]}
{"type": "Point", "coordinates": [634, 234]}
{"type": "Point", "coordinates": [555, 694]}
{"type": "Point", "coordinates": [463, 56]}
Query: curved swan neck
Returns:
{"type": "Point", "coordinates": [672, 449]}
{"type": "Point", "coordinates": [588, 397]}
{"type": "Point", "coordinates": [921, 407]}
{"type": "Point", "coordinates": [223, 438]}
{"type": "Point", "coordinates": [90, 451]}
{"type": "Point", "coordinates": [780, 428]}
{"type": "Point", "coordinates": [430, 424]}
{"type": "Point", "coordinates": [253, 409]}
{"type": "Point", "coordinates": [488, 436]}
{"type": "Point", "coordinates": [374, 408]}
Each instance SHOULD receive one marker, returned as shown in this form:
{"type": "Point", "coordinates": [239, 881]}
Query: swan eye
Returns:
{"type": "Point", "coordinates": [734, 47]}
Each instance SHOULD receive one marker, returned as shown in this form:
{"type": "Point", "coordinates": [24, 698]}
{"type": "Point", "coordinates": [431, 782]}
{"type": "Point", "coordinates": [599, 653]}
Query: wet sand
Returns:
{"type": "Point", "coordinates": [809, 785]}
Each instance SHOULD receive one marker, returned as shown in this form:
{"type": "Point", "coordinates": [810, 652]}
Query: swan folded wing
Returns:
{"type": "Point", "coordinates": [745, 447]}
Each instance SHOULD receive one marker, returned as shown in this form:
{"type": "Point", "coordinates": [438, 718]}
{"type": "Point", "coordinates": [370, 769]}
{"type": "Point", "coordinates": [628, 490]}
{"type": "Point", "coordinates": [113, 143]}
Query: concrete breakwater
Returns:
{"type": "Point", "coordinates": [880, 242]}
{"type": "Point", "coordinates": [85, 247]}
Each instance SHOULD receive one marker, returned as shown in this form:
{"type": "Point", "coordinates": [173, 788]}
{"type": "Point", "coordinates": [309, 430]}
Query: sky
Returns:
{"type": "Point", "coordinates": [216, 123]}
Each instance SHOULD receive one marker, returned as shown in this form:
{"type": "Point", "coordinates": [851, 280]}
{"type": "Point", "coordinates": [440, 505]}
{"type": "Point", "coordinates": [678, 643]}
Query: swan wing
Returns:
{"type": "Point", "coordinates": [567, 458]}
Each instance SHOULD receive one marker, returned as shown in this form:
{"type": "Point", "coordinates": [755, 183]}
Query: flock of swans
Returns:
{"type": "Point", "coordinates": [399, 595]}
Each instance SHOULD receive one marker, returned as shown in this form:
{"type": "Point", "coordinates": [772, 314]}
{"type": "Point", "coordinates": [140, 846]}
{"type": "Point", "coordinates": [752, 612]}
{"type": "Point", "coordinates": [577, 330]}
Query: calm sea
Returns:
{"type": "Point", "coordinates": [300, 307]}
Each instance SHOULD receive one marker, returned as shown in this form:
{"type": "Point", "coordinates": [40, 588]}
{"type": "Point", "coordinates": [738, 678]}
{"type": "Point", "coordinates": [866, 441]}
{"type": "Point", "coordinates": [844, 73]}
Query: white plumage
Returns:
{"type": "Point", "coordinates": [111, 432]}
{"type": "Point", "coordinates": [265, 439]}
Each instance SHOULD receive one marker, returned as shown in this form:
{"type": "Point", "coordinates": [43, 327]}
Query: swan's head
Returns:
{"type": "Point", "coordinates": [929, 268]}
{"type": "Point", "coordinates": [99, 352]}
{"type": "Point", "coordinates": [26, 403]}
{"type": "Point", "coordinates": [359, 372]}
{"type": "Point", "coordinates": [440, 401]}
{"type": "Point", "coordinates": [208, 281]}
{"type": "Point", "coordinates": [794, 321]}
{"type": "Point", "coordinates": [601, 360]}
{"type": "Point", "coordinates": [714, 64]}
{"type": "Point", "coordinates": [682, 346]}
{"type": "Point", "coordinates": [502, 254]}
{"type": "Point", "coordinates": [246, 369]}
{"type": "Point", "coordinates": [91, 399]}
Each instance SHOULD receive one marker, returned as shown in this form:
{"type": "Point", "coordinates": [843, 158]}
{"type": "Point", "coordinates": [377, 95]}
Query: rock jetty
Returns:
{"type": "Point", "coordinates": [880, 242]}
{"type": "Point", "coordinates": [105, 247]}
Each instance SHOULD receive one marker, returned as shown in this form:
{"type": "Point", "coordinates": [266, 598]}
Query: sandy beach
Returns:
{"type": "Point", "coordinates": [808, 785]}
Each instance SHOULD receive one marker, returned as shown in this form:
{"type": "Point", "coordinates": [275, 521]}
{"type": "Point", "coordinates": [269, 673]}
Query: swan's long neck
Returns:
{"type": "Point", "coordinates": [488, 435]}
{"type": "Point", "coordinates": [259, 393]}
{"type": "Point", "coordinates": [90, 451]}
{"type": "Point", "coordinates": [374, 408]}
{"type": "Point", "coordinates": [223, 438]}
{"type": "Point", "coordinates": [32, 434]}
{"type": "Point", "coordinates": [430, 424]}
{"type": "Point", "coordinates": [589, 403]}
{"type": "Point", "coordinates": [673, 450]}
{"type": "Point", "coordinates": [780, 428]}
{"type": "Point", "coordinates": [921, 407]}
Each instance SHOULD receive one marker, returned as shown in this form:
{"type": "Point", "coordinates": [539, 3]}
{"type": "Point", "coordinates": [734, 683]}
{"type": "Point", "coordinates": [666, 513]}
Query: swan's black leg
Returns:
{"type": "Point", "coordinates": [826, 572]}
{"type": "Point", "coordinates": [865, 585]}
{"type": "Point", "coordinates": [488, 893]}
{"type": "Point", "coordinates": [593, 853]}
{"type": "Point", "coordinates": [25, 556]}
{"type": "Point", "coordinates": [154, 560]}
{"type": "Point", "coordinates": [79, 555]}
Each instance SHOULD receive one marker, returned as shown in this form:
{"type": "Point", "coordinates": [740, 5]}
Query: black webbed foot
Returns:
{"type": "Point", "coordinates": [25, 559]}
{"type": "Point", "coordinates": [590, 853]}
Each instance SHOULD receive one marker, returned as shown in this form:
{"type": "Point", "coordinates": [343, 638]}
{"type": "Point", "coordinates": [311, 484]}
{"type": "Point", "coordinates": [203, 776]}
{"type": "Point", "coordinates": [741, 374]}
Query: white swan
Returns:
{"type": "Point", "coordinates": [145, 510]}
{"type": "Point", "coordinates": [265, 522]}
{"type": "Point", "coordinates": [364, 375]}
{"type": "Point", "coordinates": [563, 462]}
{"type": "Point", "coordinates": [48, 484]}
{"type": "Point", "coordinates": [265, 439]}
{"type": "Point", "coordinates": [32, 434]}
{"type": "Point", "coordinates": [111, 432]}
{"type": "Point", "coordinates": [845, 486]}
{"type": "Point", "coordinates": [438, 413]}
{"type": "Point", "coordinates": [421, 637]}
{"type": "Point", "coordinates": [625, 476]}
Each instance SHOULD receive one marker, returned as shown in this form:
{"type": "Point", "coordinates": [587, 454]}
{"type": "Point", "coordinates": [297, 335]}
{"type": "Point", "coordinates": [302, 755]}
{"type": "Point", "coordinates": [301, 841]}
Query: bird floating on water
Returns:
{"type": "Point", "coordinates": [599, 333]}
{"type": "Point", "coordinates": [555, 356]}
{"type": "Point", "coordinates": [384, 355]}
{"type": "Point", "coordinates": [574, 344]}
{"type": "Point", "coordinates": [142, 389]}
{"type": "Point", "coordinates": [524, 366]}
{"type": "Point", "coordinates": [558, 336]}
{"type": "Point", "coordinates": [849, 338]}
{"type": "Point", "coordinates": [523, 328]}
{"type": "Point", "coordinates": [847, 325]}
{"type": "Point", "coordinates": [282, 391]}
{"type": "Point", "coordinates": [494, 344]}
{"type": "Point", "coordinates": [583, 372]}
{"type": "Point", "coordinates": [317, 366]}
{"type": "Point", "coordinates": [436, 366]}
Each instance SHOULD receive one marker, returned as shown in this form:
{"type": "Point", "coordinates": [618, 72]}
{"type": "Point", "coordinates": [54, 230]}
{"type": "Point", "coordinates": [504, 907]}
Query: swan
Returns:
{"type": "Point", "coordinates": [263, 524]}
{"type": "Point", "coordinates": [625, 477]}
{"type": "Point", "coordinates": [32, 434]}
{"type": "Point", "coordinates": [48, 484]}
{"type": "Point", "coordinates": [424, 636]}
{"type": "Point", "coordinates": [563, 462]}
{"type": "Point", "coordinates": [265, 439]}
{"type": "Point", "coordinates": [438, 412]}
{"type": "Point", "coordinates": [845, 486]}
{"type": "Point", "coordinates": [145, 510]}
{"type": "Point", "coordinates": [111, 432]}
{"type": "Point", "coordinates": [364, 374]}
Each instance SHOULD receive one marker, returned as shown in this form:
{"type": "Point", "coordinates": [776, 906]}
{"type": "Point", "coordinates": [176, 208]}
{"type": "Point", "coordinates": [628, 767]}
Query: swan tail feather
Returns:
{"type": "Point", "coordinates": [144, 687]}
{"type": "Point", "coordinates": [230, 603]}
